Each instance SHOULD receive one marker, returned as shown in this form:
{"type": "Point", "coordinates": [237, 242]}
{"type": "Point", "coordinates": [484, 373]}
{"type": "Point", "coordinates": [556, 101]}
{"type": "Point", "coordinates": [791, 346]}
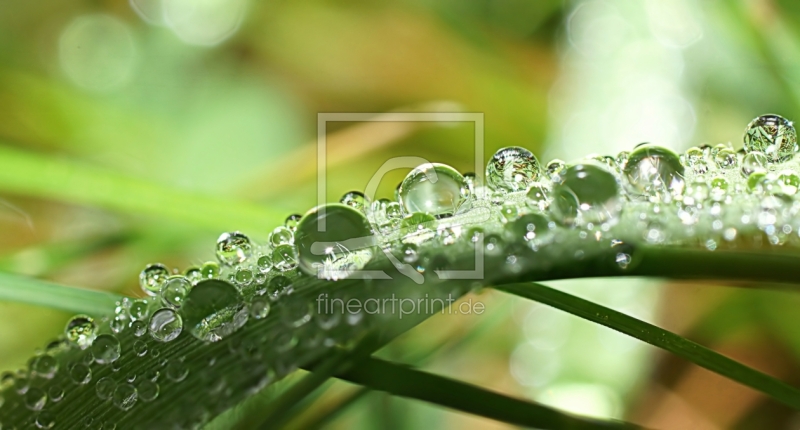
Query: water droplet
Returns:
{"type": "Point", "coordinates": [193, 274]}
{"type": "Point", "coordinates": [512, 169]}
{"type": "Point", "coordinates": [148, 390]}
{"type": "Point", "coordinates": [45, 366]}
{"type": "Point", "coordinates": [281, 236]}
{"type": "Point", "coordinates": [118, 324]}
{"type": "Point", "coordinates": [435, 189]}
{"type": "Point", "coordinates": [790, 181]}
{"type": "Point", "coordinates": [165, 324]}
{"type": "Point", "coordinates": [355, 200]}
{"type": "Point", "coordinates": [654, 172]}
{"type": "Point", "coordinates": [152, 278]}
{"type": "Point", "coordinates": [139, 310]}
{"type": "Point", "coordinates": [174, 291]}
{"type": "Point", "coordinates": [140, 348]}
{"type": "Point", "coordinates": [259, 309]}
{"type": "Point", "coordinates": [333, 241]}
{"type": "Point", "coordinates": [531, 226]}
{"type": "Point", "coordinates": [243, 277]}
{"type": "Point", "coordinates": [213, 310]}
{"type": "Point", "coordinates": [278, 286]}
{"type": "Point", "coordinates": [210, 270]}
{"type": "Point", "coordinates": [509, 211]}
{"type": "Point", "coordinates": [233, 248]}
{"type": "Point", "coordinates": [538, 196]}
{"type": "Point", "coordinates": [264, 263]}
{"type": "Point", "coordinates": [623, 260]}
{"type": "Point", "coordinates": [554, 168]}
{"type": "Point", "coordinates": [284, 258]}
{"type": "Point", "coordinates": [587, 193]}
{"type": "Point", "coordinates": [105, 388]}
{"type": "Point", "coordinates": [55, 393]}
{"type": "Point", "coordinates": [394, 211]}
{"type": "Point", "coordinates": [81, 331]}
{"type": "Point", "coordinates": [80, 373]}
{"type": "Point", "coordinates": [725, 158]}
{"type": "Point", "coordinates": [45, 420]}
{"type": "Point", "coordinates": [176, 371]}
{"type": "Point", "coordinates": [125, 396]}
{"type": "Point", "coordinates": [753, 162]}
{"type": "Point", "coordinates": [292, 221]}
{"type": "Point", "coordinates": [139, 328]}
{"type": "Point", "coordinates": [696, 160]}
{"type": "Point", "coordinates": [296, 313]}
{"type": "Point", "coordinates": [772, 135]}
{"type": "Point", "coordinates": [106, 349]}
{"type": "Point", "coordinates": [35, 399]}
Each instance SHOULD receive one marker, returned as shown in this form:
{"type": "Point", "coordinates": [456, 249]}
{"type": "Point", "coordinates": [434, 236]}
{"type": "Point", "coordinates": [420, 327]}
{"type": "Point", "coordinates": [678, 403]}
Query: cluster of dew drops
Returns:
{"type": "Point", "coordinates": [709, 195]}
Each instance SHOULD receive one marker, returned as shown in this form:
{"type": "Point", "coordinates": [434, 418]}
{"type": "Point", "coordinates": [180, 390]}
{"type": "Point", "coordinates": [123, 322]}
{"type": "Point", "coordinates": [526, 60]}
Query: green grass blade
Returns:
{"type": "Point", "coordinates": [36, 292]}
{"type": "Point", "coordinates": [332, 412]}
{"type": "Point", "coordinates": [661, 338]}
{"type": "Point", "coordinates": [60, 179]}
{"type": "Point", "coordinates": [404, 381]}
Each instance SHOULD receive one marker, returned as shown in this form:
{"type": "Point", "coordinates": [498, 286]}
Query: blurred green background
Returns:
{"type": "Point", "coordinates": [137, 132]}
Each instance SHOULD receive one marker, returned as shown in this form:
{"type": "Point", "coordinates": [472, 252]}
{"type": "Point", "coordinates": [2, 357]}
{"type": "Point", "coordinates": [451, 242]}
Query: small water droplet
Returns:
{"type": "Point", "coordinates": [81, 331]}
{"type": "Point", "coordinates": [35, 399]}
{"type": "Point", "coordinates": [165, 324]}
{"type": "Point", "coordinates": [281, 236]}
{"type": "Point", "coordinates": [753, 162]}
{"type": "Point", "coordinates": [106, 349]}
{"type": "Point", "coordinates": [725, 158]}
{"type": "Point", "coordinates": [80, 373]}
{"type": "Point", "coordinates": [55, 393]}
{"type": "Point", "coordinates": [140, 348]}
{"type": "Point", "coordinates": [292, 221]}
{"type": "Point", "coordinates": [174, 291]}
{"type": "Point", "coordinates": [210, 270]}
{"type": "Point", "coordinates": [435, 189]}
{"type": "Point", "coordinates": [333, 241]}
{"type": "Point", "coordinates": [512, 169]}
{"type": "Point", "coordinates": [45, 420]}
{"type": "Point", "coordinates": [45, 366]}
{"type": "Point", "coordinates": [176, 371]}
{"type": "Point", "coordinates": [148, 390]}
{"type": "Point", "coordinates": [233, 248]}
{"type": "Point", "coordinates": [125, 396]}
{"type": "Point", "coordinates": [259, 309]}
{"type": "Point", "coordinates": [152, 278]}
{"type": "Point", "coordinates": [284, 258]}
{"type": "Point", "coordinates": [587, 193]}
{"type": "Point", "coordinates": [772, 135]}
{"type": "Point", "coordinates": [654, 172]}
{"type": "Point", "coordinates": [213, 310]}
{"type": "Point", "coordinates": [356, 200]}
{"type": "Point", "coordinates": [105, 388]}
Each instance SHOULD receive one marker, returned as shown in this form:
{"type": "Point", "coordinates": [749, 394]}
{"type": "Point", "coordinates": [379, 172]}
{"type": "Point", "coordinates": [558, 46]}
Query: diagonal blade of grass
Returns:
{"type": "Point", "coordinates": [658, 337]}
{"type": "Point", "coordinates": [72, 182]}
{"type": "Point", "coordinates": [31, 291]}
{"type": "Point", "coordinates": [405, 381]}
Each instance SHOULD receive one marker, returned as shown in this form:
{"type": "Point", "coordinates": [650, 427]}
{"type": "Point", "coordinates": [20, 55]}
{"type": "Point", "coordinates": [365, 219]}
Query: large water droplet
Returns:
{"type": "Point", "coordinates": [153, 277]}
{"type": "Point", "coordinates": [233, 248]}
{"type": "Point", "coordinates": [654, 172]}
{"type": "Point", "coordinates": [80, 373]}
{"type": "Point", "coordinates": [174, 291]}
{"type": "Point", "coordinates": [105, 388]}
{"type": "Point", "coordinates": [333, 241]}
{"type": "Point", "coordinates": [512, 169]}
{"type": "Point", "coordinates": [213, 310]}
{"type": "Point", "coordinates": [165, 324]}
{"type": "Point", "coordinates": [587, 193]}
{"type": "Point", "coordinates": [81, 331]}
{"type": "Point", "coordinates": [148, 390]}
{"type": "Point", "coordinates": [106, 349]}
{"type": "Point", "coordinates": [435, 189]}
{"type": "Point", "coordinates": [772, 135]}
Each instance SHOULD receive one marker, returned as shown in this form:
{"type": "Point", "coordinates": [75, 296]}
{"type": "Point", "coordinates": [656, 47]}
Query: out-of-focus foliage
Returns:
{"type": "Point", "coordinates": [219, 100]}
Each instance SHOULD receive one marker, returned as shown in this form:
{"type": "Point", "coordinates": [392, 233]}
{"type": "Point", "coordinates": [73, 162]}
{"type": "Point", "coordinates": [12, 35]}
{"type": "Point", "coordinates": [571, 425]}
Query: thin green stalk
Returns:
{"type": "Point", "coordinates": [404, 381]}
{"type": "Point", "coordinates": [661, 338]}
{"type": "Point", "coordinates": [36, 292]}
